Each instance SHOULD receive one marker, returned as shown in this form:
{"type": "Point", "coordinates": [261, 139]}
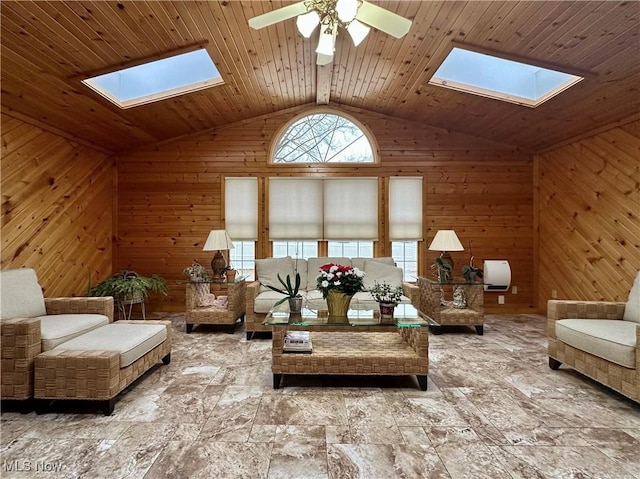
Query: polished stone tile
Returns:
{"type": "Point", "coordinates": [493, 409]}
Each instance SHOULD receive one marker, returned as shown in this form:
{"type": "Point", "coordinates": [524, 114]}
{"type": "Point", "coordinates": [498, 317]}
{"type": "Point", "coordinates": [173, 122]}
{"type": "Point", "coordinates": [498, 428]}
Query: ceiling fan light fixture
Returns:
{"type": "Point", "coordinates": [358, 32]}
{"type": "Point", "coordinates": [326, 44]}
{"type": "Point", "coordinates": [307, 23]}
{"type": "Point", "coordinates": [346, 10]}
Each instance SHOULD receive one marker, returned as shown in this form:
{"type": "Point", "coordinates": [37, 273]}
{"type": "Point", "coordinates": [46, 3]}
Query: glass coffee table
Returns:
{"type": "Point", "coordinates": [360, 344]}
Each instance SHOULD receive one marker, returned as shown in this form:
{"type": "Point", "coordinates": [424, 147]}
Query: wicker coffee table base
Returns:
{"type": "Point", "coordinates": [392, 353]}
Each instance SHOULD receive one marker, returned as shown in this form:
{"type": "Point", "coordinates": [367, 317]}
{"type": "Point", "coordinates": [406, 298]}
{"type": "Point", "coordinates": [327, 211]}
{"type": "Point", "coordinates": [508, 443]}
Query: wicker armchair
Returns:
{"type": "Point", "coordinates": [196, 314]}
{"type": "Point", "coordinates": [21, 342]}
{"type": "Point", "coordinates": [622, 379]}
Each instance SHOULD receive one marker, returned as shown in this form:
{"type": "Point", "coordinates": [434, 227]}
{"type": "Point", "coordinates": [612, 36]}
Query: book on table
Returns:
{"type": "Point", "coordinates": [297, 342]}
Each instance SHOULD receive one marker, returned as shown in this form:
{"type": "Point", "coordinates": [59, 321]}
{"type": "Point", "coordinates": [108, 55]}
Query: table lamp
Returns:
{"type": "Point", "coordinates": [217, 241]}
{"type": "Point", "coordinates": [445, 241]}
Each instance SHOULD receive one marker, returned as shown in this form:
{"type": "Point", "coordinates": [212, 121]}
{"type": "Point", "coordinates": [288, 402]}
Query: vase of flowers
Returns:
{"type": "Point", "coordinates": [338, 283]}
{"type": "Point", "coordinates": [388, 298]}
{"type": "Point", "coordinates": [196, 272]}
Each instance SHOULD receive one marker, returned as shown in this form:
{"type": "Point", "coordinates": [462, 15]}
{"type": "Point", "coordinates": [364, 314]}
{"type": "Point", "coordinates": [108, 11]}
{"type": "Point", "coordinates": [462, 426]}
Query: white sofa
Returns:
{"type": "Point", "coordinates": [260, 299]}
{"type": "Point", "coordinates": [599, 339]}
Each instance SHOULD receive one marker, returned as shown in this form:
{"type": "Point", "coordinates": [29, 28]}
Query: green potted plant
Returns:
{"type": "Point", "coordinates": [128, 288]}
{"type": "Point", "coordinates": [291, 292]}
{"type": "Point", "coordinates": [470, 273]}
{"type": "Point", "coordinates": [444, 270]}
{"type": "Point", "coordinates": [384, 293]}
{"type": "Point", "coordinates": [387, 296]}
{"type": "Point", "coordinates": [230, 274]}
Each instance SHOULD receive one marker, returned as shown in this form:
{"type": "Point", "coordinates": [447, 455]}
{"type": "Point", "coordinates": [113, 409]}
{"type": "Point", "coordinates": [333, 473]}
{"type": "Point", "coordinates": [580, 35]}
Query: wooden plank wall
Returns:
{"type": "Point", "coordinates": [588, 196]}
{"type": "Point", "coordinates": [170, 196]}
{"type": "Point", "coordinates": [57, 208]}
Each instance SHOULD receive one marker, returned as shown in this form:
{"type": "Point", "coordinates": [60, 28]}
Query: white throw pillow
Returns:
{"type": "Point", "coordinates": [377, 272]}
{"type": "Point", "coordinates": [632, 309]}
{"type": "Point", "coordinates": [268, 269]}
{"type": "Point", "coordinates": [20, 294]}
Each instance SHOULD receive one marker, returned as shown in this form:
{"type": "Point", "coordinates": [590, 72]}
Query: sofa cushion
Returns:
{"type": "Point", "coordinates": [377, 272]}
{"type": "Point", "coordinates": [56, 329]}
{"type": "Point", "coordinates": [313, 268]}
{"type": "Point", "coordinates": [268, 269]}
{"type": "Point", "coordinates": [359, 262]}
{"type": "Point", "coordinates": [632, 308]}
{"type": "Point", "coordinates": [265, 300]}
{"type": "Point", "coordinates": [132, 341]}
{"type": "Point", "coordinates": [20, 294]}
{"type": "Point", "coordinates": [609, 339]}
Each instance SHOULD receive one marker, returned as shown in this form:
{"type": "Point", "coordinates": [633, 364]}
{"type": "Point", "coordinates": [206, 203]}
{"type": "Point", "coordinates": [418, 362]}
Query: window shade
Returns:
{"type": "Point", "coordinates": [405, 208]}
{"type": "Point", "coordinates": [295, 209]}
{"type": "Point", "coordinates": [350, 208]}
{"type": "Point", "coordinates": [241, 208]}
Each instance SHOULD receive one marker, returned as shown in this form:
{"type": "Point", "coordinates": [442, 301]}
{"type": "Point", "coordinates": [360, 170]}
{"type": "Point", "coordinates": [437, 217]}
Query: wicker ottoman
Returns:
{"type": "Point", "coordinates": [100, 364]}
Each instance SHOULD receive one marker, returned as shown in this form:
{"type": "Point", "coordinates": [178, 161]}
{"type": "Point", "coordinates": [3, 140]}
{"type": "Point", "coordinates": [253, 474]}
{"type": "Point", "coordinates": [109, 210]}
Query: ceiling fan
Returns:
{"type": "Point", "coordinates": [356, 16]}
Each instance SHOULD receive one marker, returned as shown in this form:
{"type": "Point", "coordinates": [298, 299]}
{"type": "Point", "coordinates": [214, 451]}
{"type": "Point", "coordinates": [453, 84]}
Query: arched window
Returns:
{"type": "Point", "coordinates": [323, 138]}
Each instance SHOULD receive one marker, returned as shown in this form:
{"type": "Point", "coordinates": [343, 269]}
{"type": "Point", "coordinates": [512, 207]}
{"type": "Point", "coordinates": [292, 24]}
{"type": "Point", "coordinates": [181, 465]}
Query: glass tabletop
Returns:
{"type": "Point", "coordinates": [453, 282]}
{"type": "Point", "coordinates": [360, 314]}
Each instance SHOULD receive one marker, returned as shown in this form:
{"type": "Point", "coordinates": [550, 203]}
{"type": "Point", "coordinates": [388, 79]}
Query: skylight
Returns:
{"type": "Point", "coordinates": [501, 79]}
{"type": "Point", "coordinates": [157, 80]}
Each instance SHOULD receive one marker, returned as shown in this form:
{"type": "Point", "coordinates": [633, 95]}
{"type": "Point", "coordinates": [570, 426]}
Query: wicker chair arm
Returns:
{"type": "Point", "coordinates": [411, 291]}
{"type": "Point", "coordinates": [570, 309]}
{"type": "Point", "coordinates": [81, 305]}
{"type": "Point", "coordinates": [20, 338]}
{"type": "Point", "coordinates": [236, 294]}
{"type": "Point", "coordinates": [20, 343]}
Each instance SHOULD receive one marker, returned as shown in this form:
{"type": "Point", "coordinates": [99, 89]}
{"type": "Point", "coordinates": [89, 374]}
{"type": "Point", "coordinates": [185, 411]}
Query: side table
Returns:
{"type": "Point", "coordinates": [195, 314]}
{"type": "Point", "coordinates": [436, 303]}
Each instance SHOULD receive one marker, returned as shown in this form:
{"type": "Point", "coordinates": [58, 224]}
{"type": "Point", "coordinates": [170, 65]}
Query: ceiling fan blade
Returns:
{"type": "Point", "coordinates": [278, 15]}
{"type": "Point", "coordinates": [384, 20]}
{"type": "Point", "coordinates": [323, 59]}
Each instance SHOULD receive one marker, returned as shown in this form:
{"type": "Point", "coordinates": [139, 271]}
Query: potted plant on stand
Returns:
{"type": "Point", "coordinates": [128, 288]}
{"type": "Point", "coordinates": [291, 292]}
{"type": "Point", "coordinates": [387, 296]}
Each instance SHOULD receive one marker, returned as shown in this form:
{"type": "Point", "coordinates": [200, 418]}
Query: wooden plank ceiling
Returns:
{"type": "Point", "coordinates": [46, 45]}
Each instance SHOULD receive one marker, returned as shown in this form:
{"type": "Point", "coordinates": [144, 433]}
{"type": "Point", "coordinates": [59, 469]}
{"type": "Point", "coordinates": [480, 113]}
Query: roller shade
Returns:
{"type": "Point", "coordinates": [295, 209]}
{"type": "Point", "coordinates": [351, 209]}
{"type": "Point", "coordinates": [241, 208]}
{"type": "Point", "coordinates": [405, 209]}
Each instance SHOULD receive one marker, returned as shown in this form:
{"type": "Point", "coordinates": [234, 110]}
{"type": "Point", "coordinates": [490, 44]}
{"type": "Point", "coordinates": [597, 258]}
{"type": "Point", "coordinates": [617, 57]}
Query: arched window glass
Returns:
{"type": "Point", "coordinates": [323, 138]}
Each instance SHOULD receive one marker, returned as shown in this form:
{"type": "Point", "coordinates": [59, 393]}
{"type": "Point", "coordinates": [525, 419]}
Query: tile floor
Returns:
{"type": "Point", "coordinates": [493, 409]}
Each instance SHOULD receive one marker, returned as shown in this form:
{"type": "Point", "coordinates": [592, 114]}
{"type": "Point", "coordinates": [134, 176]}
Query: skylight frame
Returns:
{"type": "Point", "coordinates": [92, 80]}
{"type": "Point", "coordinates": [571, 77]}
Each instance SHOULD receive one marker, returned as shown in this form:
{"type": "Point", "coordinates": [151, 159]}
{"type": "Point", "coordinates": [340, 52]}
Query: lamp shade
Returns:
{"type": "Point", "coordinates": [217, 240]}
{"type": "Point", "coordinates": [446, 240]}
